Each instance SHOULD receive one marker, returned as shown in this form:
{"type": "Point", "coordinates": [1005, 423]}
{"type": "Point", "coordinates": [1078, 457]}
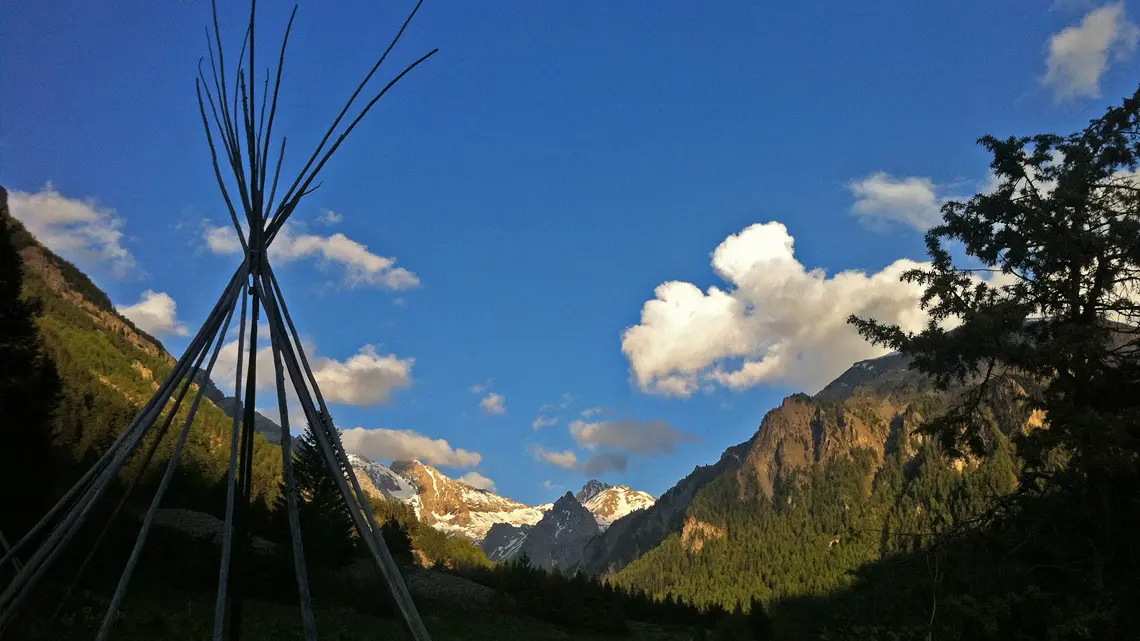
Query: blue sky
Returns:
{"type": "Point", "coordinates": [540, 178]}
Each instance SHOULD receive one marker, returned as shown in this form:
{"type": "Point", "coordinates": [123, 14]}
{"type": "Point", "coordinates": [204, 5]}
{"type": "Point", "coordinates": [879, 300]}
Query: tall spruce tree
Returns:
{"type": "Point", "coordinates": [29, 388]}
{"type": "Point", "coordinates": [326, 525]}
{"type": "Point", "coordinates": [1048, 299]}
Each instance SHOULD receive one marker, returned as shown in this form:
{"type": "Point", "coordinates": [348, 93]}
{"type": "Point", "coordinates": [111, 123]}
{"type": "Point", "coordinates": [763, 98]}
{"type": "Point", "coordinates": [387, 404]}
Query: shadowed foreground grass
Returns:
{"type": "Point", "coordinates": [166, 615]}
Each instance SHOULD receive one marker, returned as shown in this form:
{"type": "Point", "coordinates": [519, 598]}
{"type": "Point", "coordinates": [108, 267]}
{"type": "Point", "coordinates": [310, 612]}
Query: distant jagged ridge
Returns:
{"type": "Point", "coordinates": [560, 538]}
{"type": "Point", "coordinates": [483, 516]}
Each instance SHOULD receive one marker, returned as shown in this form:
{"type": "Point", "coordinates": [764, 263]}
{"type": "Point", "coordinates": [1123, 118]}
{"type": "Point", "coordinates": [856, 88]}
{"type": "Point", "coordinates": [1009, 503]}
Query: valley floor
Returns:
{"type": "Point", "coordinates": [167, 615]}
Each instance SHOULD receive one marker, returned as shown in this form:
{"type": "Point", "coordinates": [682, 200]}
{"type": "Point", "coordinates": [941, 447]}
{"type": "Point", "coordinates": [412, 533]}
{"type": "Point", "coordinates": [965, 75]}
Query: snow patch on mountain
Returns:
{"type": "Point", "coordinates": [454, 507]}
{"type": "Point", "coordinates": [504, 541]}
{"type": "Point", "coordinates": [383, 480]}
{"type": "Point", "coordinates": [614, 502]}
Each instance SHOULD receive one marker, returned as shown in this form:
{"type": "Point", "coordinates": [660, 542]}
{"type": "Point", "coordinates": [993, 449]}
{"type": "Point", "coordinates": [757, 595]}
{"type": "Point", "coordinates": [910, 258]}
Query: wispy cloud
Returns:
{"type": "Point", "coordinates": [361, 266]}
{"type": "Point", "coordinates": [80, 230]}
{"type": "Point", "coordinates": [478, 481]}
{"type": "Point", "coordinates": [479, 388]}
{"type": "Point", "coordinates": [630, 435]}
{"type": "Point", "coordinates": [566, 459]}
{"type": "Point", "coordinates": [329, 217]}
{"type": "Point", "coordinates": [1080, 54]}
{"type": "Point", "coordinates": [541, 421]}
{"type": "Point", "coordinates": [594, 466]}
{"type": "Point", "coordinates": [494, 403]}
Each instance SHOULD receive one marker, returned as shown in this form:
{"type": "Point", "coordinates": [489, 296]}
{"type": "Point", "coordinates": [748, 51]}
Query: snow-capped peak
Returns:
{"type": "Point", "coordinates": [449, 505]}
{"type": "Point", "coordinates": [382, 479]}
{"type": "Point", "coordinates": [592, 488]}
{"type": "Point", "coordinates": [615, 502]}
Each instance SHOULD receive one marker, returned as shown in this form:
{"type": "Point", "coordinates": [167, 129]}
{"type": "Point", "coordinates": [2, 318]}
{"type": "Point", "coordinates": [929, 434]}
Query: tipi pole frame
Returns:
{"type": "Point", "coordinates": [365, 527]}
{"type": "Point", "coordinates": [222, 600]}
{"type": "Point", "coordinates": [176, 374]}
{"type": "Point", "coordinates": [163, 486]}
{"type": "Point", "coordinates": [45, 555]}
{"type": "Point", "coordinates": [308, 621]}
{"type": "Point", "coordinates": [240, 554]}
{"type": "Point", "coordinates": [127, 493]}
{"type": "Point", "coordinates": [254, 280]}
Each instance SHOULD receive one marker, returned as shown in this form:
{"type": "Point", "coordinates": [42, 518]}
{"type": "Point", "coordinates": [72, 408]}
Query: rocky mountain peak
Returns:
{"type": "Point", "coordinates": [558, 539]}
{"type": "Point", "coordinates": [452, 506]}
{"type": "Point", "coordinates": [865, 407]}
{"type": "Point", "coordinates": [592, 488]}
{"type": "Point", "coordinates": [564, 501]}
{"type": "Point", "coordinates": [379, 479]}
{"type": "Point", "coordinates": [617, 501]}
{"type": "Point", "coordinates": [504, 541]}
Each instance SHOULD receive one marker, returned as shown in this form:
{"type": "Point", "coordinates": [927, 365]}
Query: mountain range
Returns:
{"type": "Point", "coordinates": [862, 427]}
{"type": "Point", "coordinates": [455, 507]}
{"type": "Point", "coordinates": [109, 367]}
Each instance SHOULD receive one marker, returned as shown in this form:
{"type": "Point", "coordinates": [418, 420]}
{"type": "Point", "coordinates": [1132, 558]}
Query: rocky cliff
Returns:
{"type": "Point", "coordinates": [858, 409]}
{"type": "Point", "coordinates": [452, 506]}
{"type": "Point", "coordinates": [558, 539]}
{"type": "Point", "coordinates": [639, 532]}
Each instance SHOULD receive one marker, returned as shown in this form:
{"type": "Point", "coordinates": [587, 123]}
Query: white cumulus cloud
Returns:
{"type": "Point", "coordinates": [395, 445]}
{"type": "Point", "coordinates": [361, 266]}
{"type": "Point", "coordinates": [80, 231]}
{"type": "Point", "coordinates": [478, 481]}
{"type": "Point", "coordinates": [916, 201]}
{"type": "Point", "coordinates": [156, 313]}
{"type": "Point", "coordinates": [367, 378]}
{"type": "Point", "coordinates": [494, 403]}
{"type": "Point", "coordinates": [777, 322]}
{"type": "Point", "coordinates": [220, 240]}
{"type": "Point", "coordinates": [911, 201]}
{"type": "Point", "coordinates": [1080, 54]}
{"type": "Point", "coordinates": [226, 367]}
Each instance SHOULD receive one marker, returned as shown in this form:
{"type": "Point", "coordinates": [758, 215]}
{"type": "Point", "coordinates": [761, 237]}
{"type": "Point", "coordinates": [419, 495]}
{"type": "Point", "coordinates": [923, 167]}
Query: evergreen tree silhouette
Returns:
{"type": "Point", "coordinates": [29, 389]}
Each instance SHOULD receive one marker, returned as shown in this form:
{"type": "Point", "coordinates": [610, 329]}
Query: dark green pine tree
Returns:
{"type": "Point", "coordinates": [29, 387]}
{"type": "Point", "coordinates": [399, 542]}
{"type": "Point", "coordinates": [327, 530]}
{"type": "Point", "coordinates": [1057, 322]}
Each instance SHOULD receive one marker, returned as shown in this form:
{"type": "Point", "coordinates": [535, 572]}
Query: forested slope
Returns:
{"type": "Point", "coordinates": [828, 484]}
{"type": "Point", "coordinates": [107, 369]}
